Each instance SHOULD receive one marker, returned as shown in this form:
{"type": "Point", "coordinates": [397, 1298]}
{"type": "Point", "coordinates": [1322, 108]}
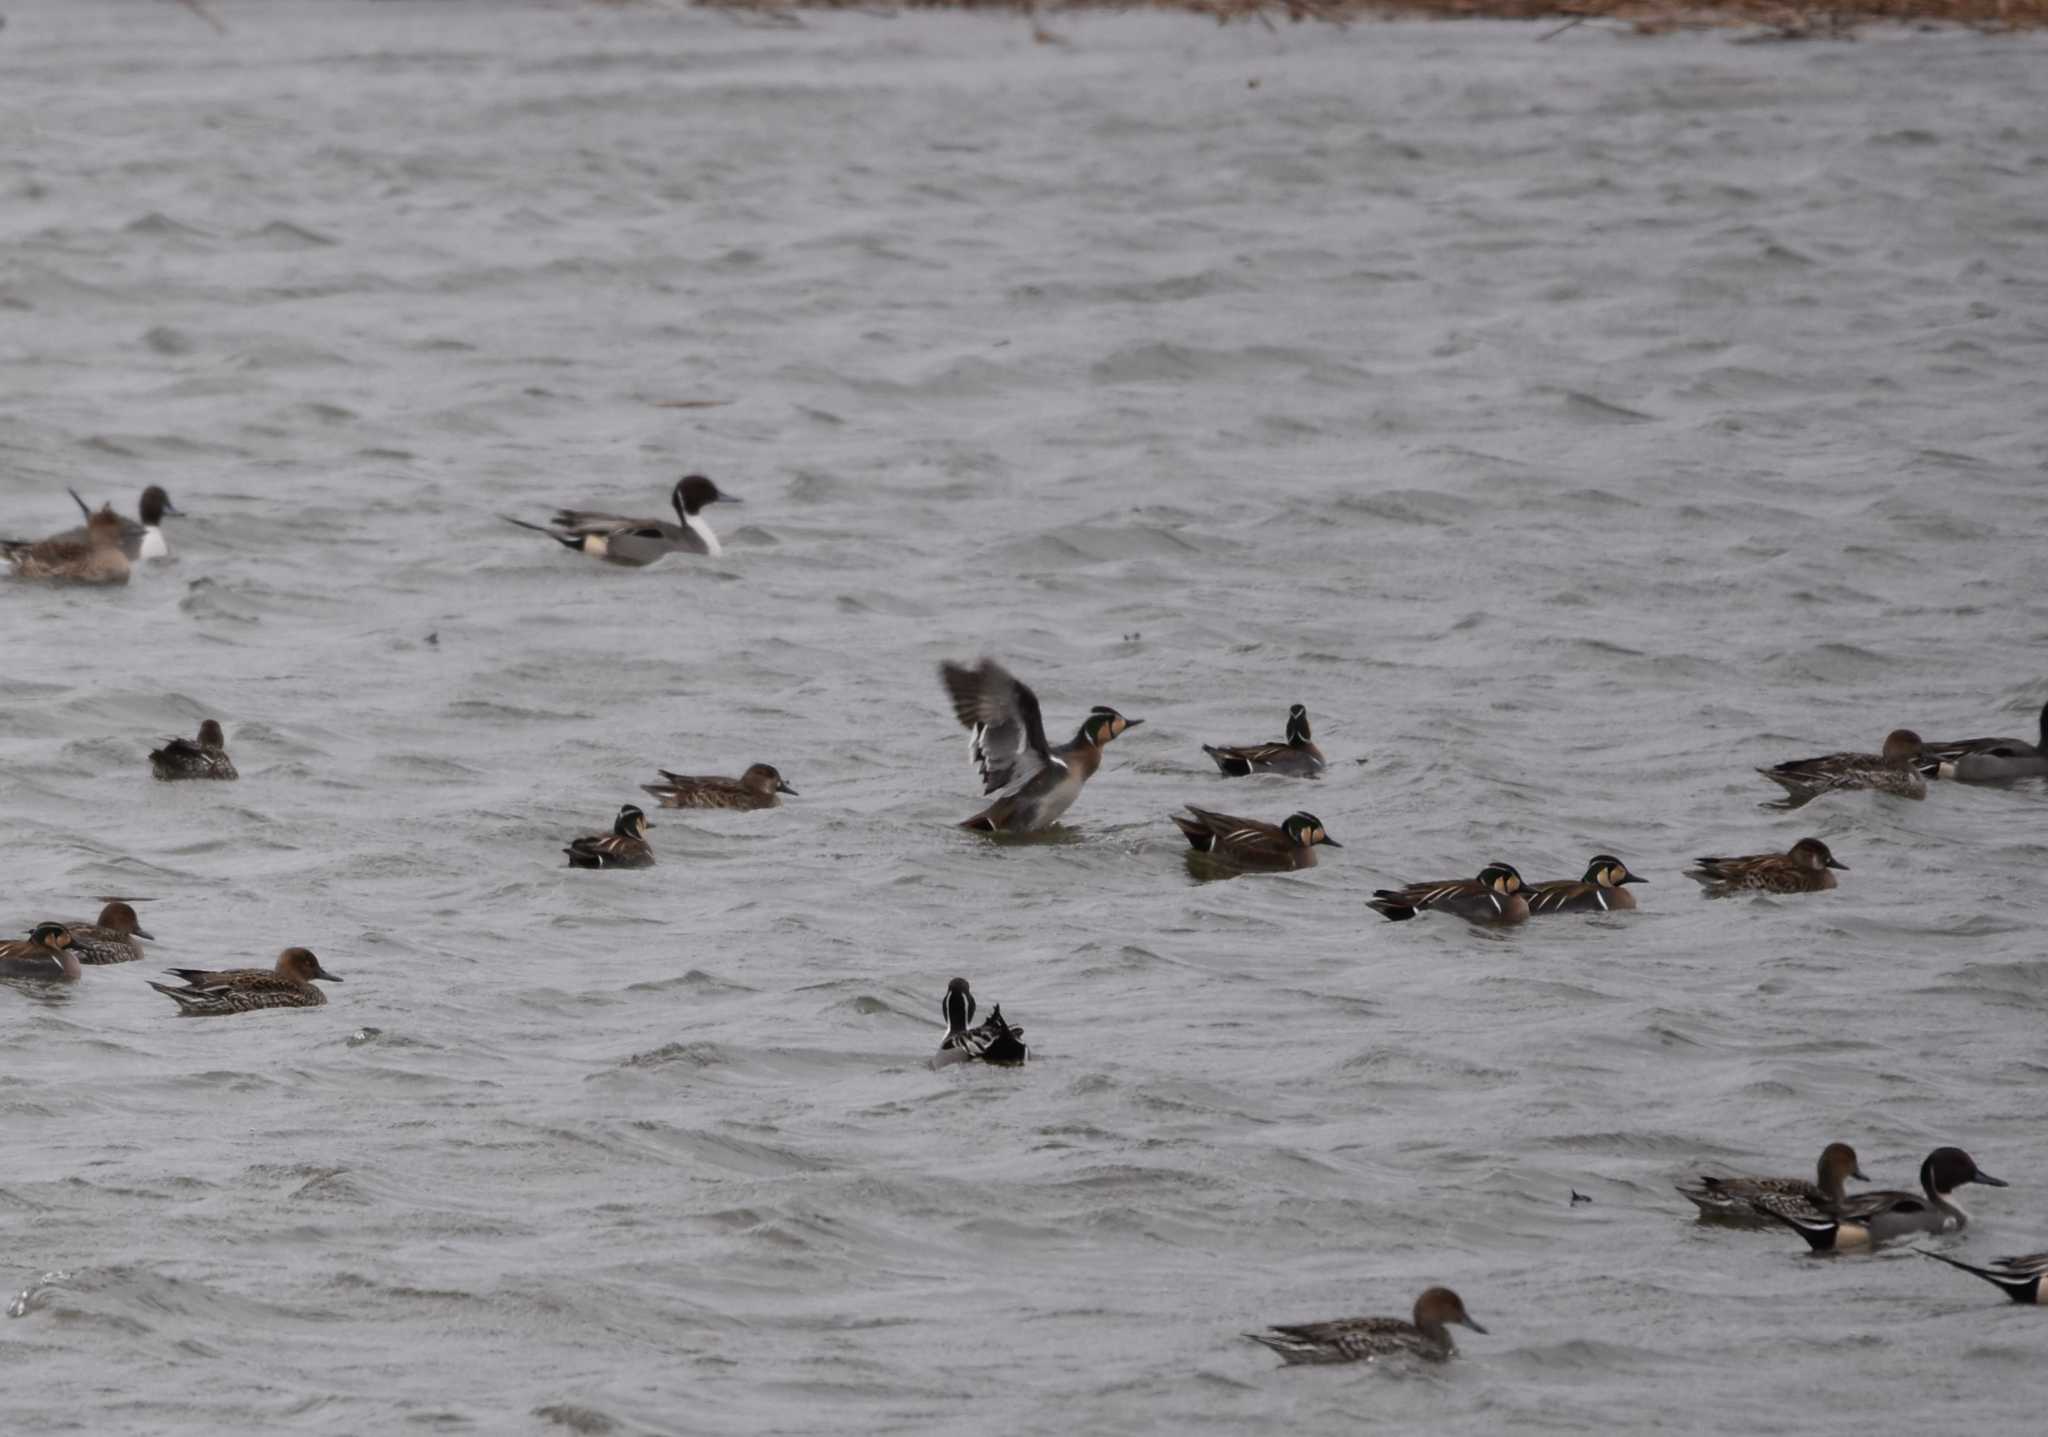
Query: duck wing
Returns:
{"type": "Point", "coordinates": [1006, 732]}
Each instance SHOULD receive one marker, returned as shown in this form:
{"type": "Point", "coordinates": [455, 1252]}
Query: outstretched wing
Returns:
{"type": "Point", "coordinates": [1006, 734]}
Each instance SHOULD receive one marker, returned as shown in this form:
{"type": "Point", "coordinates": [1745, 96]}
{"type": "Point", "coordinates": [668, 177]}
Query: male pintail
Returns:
{"type": "Point", "coordinates": [2019, 1278]}
{"type": "Point", "coordinates": [756, 788]}
{"type": "Point", "coordinates": [112, 939]}
{"type": "Point", "coordinates": [184, 758]}
{"type": "Point", "coordinates": [1804, 869]}
{"type": "Point", "coordinates": [1495, 896]}
{"type": "Point", "coordinates": [635, 543]}
{"type": "Point", "coordinates": [45, 954]}
{"type": "Point", "coordinates": [1248, 843]}
{"type": "Point", "coordinates": [139, 541]}
{"type": "Point", "coordinates": [1870, 1218]}
{"type": "Point", "coordinates": [993, 1041]}
{"type": "Point", "coordinates": [209, 993]}
{"type": "Point", "coordinates": [1755, 1200]}
{"type": "Point", "coordinates": [1990, 760]}
{"type": "Point", "coordinates": [1602, 890]}
{"type": "Point", "coordinates": [1006, 739]}
{"type": "Point", "coordinates": [1895, 771]}
{"type": "Point", "coordinates": [1296, 756]}
{"type": "Point", "coordinates": [1358, 1339]}
{"type": "Point", "coordinates": [94, 558]}
{"type": "Point", "coordinates": [625, 846]}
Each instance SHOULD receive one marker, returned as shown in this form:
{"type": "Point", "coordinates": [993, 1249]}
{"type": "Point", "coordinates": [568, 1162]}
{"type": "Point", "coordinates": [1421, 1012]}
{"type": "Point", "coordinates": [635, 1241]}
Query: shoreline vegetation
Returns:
{"type": "Point", "coordinates": [1772, 19]}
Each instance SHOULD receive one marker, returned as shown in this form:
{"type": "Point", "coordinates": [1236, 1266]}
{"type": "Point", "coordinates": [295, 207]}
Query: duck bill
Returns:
{"type": "Point", "coordinates": [1837, 863]}
{"type": "Point", "coordinates": [1990, 1181]}
{"type": "Point", "coordinates": [326, 977]}
{"type": "Point", "coordinates": [1132, 723]}
{"type": "Point", "coordinates": [1632, 878]}
{"type": "Point", "coordinates": [785, 788]}
{"type": "Point", "coordinates": [1331, 843]}
{"type": "Point", "coordinates": [728, 499]}
{"type": "Point", "coordinates": [1473, 1324]}
{"type": "Point", "coordinates": [143, 933]}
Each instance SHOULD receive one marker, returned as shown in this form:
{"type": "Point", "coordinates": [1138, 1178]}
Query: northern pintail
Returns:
{"type": "Point", "coordinates": [45, 954]}
{"type": "Point", "coordinates": [1895, 771]}
{"type": "Point", "coordinates": [1600, 891]}
{"type": "Point", "coordinates": [1248, 843]}
{"type": "Point", "coordinates": [95, 558]}
{"type": "Point", "coordinates": [1006, 738]}
{"type": "Point", "coordinates": [1296, 756]}
{"type": "Point", "coordinates": [1804, 869]}
{"type": "Point", "coordinates": [617, 539]}
{"type": "Point", "coordinates": [1991, 760]}
{"type": "Point", "coordinates": [992, 1041]}
{"type": "Point", "coordinates": [112, 939]}
{"type": "Point", "coordinates": [756, 788]}
{"type": "Point", "coordinates": [2019, 1278]}
{"type": "Point", "coordinates": [185, 758]}
{"type": "Point", "coordinates": [139, 541]}
{"type": "Point", "coordinates": [1756, 1200]}
{"type": "Point", "coordinates": [625, 846]}
{"type": "Point", "coordinates": [1495, 896]}
{"type": "Point", "coordinates": [209, 993]}
{"type": "Point", "coordinates": [1359, 1339]}
{"type": "Point", "coordinates": [1870, 1218]}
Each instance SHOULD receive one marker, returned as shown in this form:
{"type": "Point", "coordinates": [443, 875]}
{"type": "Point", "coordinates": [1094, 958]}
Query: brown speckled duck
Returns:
{"type": "Point", "coordinates": [181, 758]}
{"type": "Point", "coordinates": [94, 559]}
{"type": "Point", "coordinates": [141, 540]}
{"type": "Point", "coordinates": [1803, 869]}
{"type": "Point", "coordinates": [1360, 1339]}
{"type": "Point", "coordinates": [1896, 771]}
{"type": "Point", "coordinates": [1602, 890]}
{"type": "Point", "coordinates": [625, 846]}
{"type": "Point", "coordinates": [1756, 1200]}
{"type": "Point", "coordinates": [1248, 843]}
{"type": "Point", "coordinates": [1494, 897]}
{"type": "Point", "coordinates": [44, 955]}
{"type": "Point", "coordinates": [112, 939]}
{"type": "Point", "coordinates": [756, 788]}
{"type": "Point", "coordinates": [209, 993]}
{"type": "Point", "coordinates": [1295, 756]}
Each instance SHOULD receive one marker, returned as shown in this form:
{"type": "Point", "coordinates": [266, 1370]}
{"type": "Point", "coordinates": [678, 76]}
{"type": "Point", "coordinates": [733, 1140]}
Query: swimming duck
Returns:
{"type": "Point", "coordinates": [1600, 891]}
{"type": "Point", "coordinates": [1358, 1339]}
{"type": "Point", "coordinates": [1757, 1199]}
{"type": "Point", "coordinates": [1495, 896]}
{"type": "Point", "coordinates": [1007, 742]}
{"type": "Point", "coordinates": [112, 938]}
{"type": "Point", "coordinates": [756, 788]}
{"type": "Point", "coordinates": [1802, 870]}
{"type": "Point", "coordinates": [1870, 1218]}
{"type": "Point", "coordinates": [2019, 1278]}
{"type": "Point", "coordinates": [1895, 771]}
{"type": "Point", "coordinates": [183, 758]}
{"type": "Point", "coordinates": [994, 1041]}
{"type": "Point", "coordinates": [1296, 756]}
{"type": "Point", "coordinates": [45, 953]}
{"type": "Point", "coordinates": [208, 994]}
{"type": "Point", "coordinates": [95, 558]}
{"type": "Point", "coordinates": [624, 847]}
{"type": "Point", "coordinates": [1990, 760]}
{"type": "Point", "coordinates": [617, 539]}
{"type": "Point", "coordinates": [1248, 843]}
{"type": "Point", "coordinates": [138, 541]}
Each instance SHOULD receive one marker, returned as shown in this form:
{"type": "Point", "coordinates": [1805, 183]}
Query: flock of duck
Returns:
{"type": "Point", "coordinates": [1030, 785]}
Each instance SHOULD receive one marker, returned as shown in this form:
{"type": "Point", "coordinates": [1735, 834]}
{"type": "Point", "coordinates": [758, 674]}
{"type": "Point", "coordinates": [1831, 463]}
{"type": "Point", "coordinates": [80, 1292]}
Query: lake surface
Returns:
{"type": "Point", "coordinates": [1571, 427]}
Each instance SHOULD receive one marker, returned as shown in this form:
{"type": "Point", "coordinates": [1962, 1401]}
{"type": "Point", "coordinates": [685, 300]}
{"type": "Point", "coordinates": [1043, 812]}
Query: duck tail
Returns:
{"type": "Point", "coordinates": [2019, 1289]}
{"type": "Point", "coordinates": [564, 540]}
{"type": "Point", "coordinates": [1197, 833]}
{"type": "Point", "coordinates": [1818, 1230]}
{"type": "Point", "coordinates": [1232, 764]}
{"type": "Point", "coordinates": [83, 507]}
{"type": "Point", "coordinates": [1391, 906]}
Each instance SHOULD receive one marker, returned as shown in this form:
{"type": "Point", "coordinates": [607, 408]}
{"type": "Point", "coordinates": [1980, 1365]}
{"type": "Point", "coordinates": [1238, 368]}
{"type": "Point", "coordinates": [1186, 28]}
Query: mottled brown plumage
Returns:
{"type": "Point", "coordinates": [758, 787]}
{"type": "Point", "coordinates": [182, 758]}
{"type": "Point", "coordinates": [1896, 771]}
{"type": "Point", "coordinates": [215, 993]}
{"type": "Point", "coordinates": [1756, 1200]}
{"type": "Point", "coordinates": [1804, 869]}
{"type": "Point", "coordinates": [95, 559]}
{"type": "Point", "coordinates": [112, 939]}
{"type": "Point", "coordinates": [1359, 1339]}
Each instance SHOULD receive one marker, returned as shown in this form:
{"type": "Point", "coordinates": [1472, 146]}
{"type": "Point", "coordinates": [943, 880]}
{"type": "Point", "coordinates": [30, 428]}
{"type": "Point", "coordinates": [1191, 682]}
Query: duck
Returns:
{"type": "Point", "coordinates": [45, 954]}
{"type": "Point", "coordinates": [208, 993]}
{"type": "Point", "coordinates": [1495, 896]}
{"type": "Point", "coordinates": [112, 939]}
{"type": "Point", "coordinates": [624, 847]}
{"type": "Point", "coordinates": [94, 558]}
{"type": "Point", "coordinates": [1006, 739]}
{"type": "Point", "coordinates": [1802, 869]}
{"type": "Point", "coordinates": [1248, 843]}
{"type": "Point", "coordinates": [1602, 890]}
{"type": "Point", "coordinates": [756, 788]}
{"type": "Point", "coordinates": [1870, 1218]}
{"type": "Point", "coordinates": [1360, 1339]}
{"type": "Point", "coordinates": [994, 1041]}
{"type": "Point", "coordinates": [1295, 756]}
{"type": "Point", "coordinates": [143, 541]}
{"type": "Point", "coordinates": [185, 758]}
{"type": "Point", "coordinates": [1895, 771]}
{"type": "Point", "coordinates": [2019, 1278]}
{"type": "Point", "coordinates": [1747, 1199]}
{"type": "Point", "coordinates": [636, 543]}
{"type": "Point", "coordinates": [1990, 760]}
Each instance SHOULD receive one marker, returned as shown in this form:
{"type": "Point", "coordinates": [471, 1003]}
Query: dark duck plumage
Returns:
{"type": "Point", "coordinates": [2019, 1278]}
{"type": "Point", "coordinates": [756, 788]}
{"type": "Point", "coordinates": [1249, 843]}
{"type": "Point", "coordinates": [1897, 771]}
{"type": "Point", "coordinates": [994, 1041]}
{"type": "Point", "coordinates": [625, 846]}
{"type": "Point", "coordinates": [44, 955]}
{"type": "Point", "coordinates": [184, 758]}
{"type": "Point", "coordinates": [1295, 756]}
{"type": "Point", "coordinates": [1494, 897]}
{"type": "Point", "coordinates": [1602, 890]}
{"type": "Point", "coordinates": [1006, 738]}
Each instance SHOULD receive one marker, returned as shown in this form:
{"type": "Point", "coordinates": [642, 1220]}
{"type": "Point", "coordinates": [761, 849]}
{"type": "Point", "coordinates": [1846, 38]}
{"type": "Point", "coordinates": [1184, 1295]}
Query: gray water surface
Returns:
{"type": "Point", "coordinates": [1571, 427]}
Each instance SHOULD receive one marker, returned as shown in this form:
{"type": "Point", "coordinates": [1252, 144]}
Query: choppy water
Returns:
{"type": "Point", "coordinates": [1570, 427]}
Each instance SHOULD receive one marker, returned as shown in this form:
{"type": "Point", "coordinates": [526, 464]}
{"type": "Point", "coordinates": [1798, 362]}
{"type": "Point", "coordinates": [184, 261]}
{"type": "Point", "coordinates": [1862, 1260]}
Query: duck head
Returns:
{"type": "Point", "coordinates": [1307, 830]}
{"type": "Point", "coordinates": [304, 965]}
{"type": "Point", "coordinates": [1501, 878]}
{"type": "Point", "coordinates": [1439, 1307]}
{"type": "Point", "coordinates": [763, 776]}
{"type": "Point", "coordinates": [1609, 872]}
{"type": "Point", "coordinates": [1103, 724]}
{"type": "Point", "coordinates": [631, 823]}
{"type": "Point", "coordinates": [694, 491]}
{"type": "Point", "coordinates": [1297, 725]}
{"type": "Point", "coordinates": [1812, 853]}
